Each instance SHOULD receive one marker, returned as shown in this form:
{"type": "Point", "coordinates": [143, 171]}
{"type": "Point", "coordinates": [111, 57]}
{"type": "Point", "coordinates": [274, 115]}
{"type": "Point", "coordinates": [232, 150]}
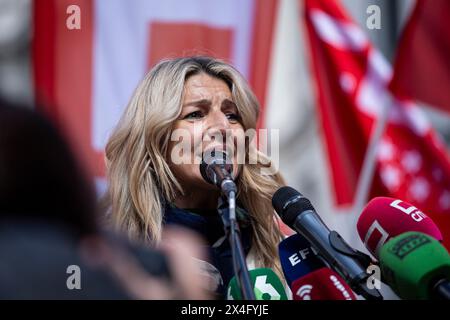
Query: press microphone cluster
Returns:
{"type": "Point", "coordinates": [407, 244]}
{"type": "Point", "coordinates": [297, 212]}
{"type": "Point", "coordinates": [319, 264]}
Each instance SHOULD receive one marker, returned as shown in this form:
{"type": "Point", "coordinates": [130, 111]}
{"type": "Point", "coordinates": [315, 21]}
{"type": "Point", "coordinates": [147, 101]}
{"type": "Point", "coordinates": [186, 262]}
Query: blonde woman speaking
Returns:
{"type": "Point", "coordinates": [176, 113]}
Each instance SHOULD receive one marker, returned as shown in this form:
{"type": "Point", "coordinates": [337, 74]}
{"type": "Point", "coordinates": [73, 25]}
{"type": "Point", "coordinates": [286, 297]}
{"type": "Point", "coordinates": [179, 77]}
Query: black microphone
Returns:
{"type": "Point", "coordinates": [297, 212]}
{"type": "Point", "coordinates": [217, 168]}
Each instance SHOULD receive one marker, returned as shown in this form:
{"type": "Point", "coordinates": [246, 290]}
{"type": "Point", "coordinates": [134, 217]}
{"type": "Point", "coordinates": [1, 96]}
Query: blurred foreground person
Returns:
{"type": "Point", "coordinates": [50, 243]}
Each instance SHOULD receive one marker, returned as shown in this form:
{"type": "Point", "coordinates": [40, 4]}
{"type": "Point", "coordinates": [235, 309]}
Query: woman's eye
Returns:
{"type": "Point", "coordinates": [233, 117]}
{"type": "Point", "coordinates": [194, 115]}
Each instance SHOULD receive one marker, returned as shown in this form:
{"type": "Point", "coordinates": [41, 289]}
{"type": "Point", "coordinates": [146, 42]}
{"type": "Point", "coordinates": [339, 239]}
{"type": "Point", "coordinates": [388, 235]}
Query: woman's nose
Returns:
{"type": "Point", "coordinates": [218, 122]}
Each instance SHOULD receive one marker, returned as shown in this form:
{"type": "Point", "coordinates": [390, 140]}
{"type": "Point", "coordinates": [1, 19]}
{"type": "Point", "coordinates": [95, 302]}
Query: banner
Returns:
{"type": "Point", "coordinates": [352, 80]}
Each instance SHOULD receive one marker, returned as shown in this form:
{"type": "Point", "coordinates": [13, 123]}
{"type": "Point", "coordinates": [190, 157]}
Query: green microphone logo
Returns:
{"type": "Point", "coordinates": [266, 286]}
{"type": "Point", "coordinates": [265, 290]}
{"type": "Point", "coordinates": [409, 244]}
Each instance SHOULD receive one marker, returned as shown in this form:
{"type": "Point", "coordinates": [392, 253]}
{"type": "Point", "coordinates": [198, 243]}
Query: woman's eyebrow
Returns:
{"type": "Point", "coordinates": [228, 102]}
{"type": "Point", "coordinates": [197, 102]}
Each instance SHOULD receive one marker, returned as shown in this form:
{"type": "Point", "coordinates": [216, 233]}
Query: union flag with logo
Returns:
{"type": "Point", "coordinates": [352, 89]}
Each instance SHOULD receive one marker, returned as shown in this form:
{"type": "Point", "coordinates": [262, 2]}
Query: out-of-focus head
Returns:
{"type": "Point", "coordinates": [39, 177]}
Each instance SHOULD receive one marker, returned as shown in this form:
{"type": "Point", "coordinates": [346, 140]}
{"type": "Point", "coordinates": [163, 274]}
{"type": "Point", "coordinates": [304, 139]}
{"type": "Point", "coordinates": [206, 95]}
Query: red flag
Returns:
{"type": "Point", "coordinates": [422, 64]}
{"type": "Point", "coordinates": [352, 81]}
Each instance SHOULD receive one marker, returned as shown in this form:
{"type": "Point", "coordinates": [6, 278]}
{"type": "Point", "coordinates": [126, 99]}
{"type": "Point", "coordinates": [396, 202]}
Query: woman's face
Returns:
{"type": "Point", "coordinates": [209, 119]}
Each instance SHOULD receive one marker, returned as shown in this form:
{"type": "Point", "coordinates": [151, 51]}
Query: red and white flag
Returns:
{"type": "Point", "coordinates": [352, 80]}
{"type": "Point", "coordinates": [422, 64]}
{"type": "Point", "coordinates": [85, 76]}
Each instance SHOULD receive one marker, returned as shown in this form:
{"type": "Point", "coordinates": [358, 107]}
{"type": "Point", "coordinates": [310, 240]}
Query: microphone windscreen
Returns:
{"type": "Point", "coordinates": [322, 284]}
{"type": "Point", "coordinates": [384, 218]}
{"type": "Point", "coordinates": [289, 203]}
{"type": "Point", "coordinates": [282, 196]}
{"type": "Point", "coordinates": [212, 157]}
{"type": "Point", "coordinates": [265, 283]}
{"type": "Point", "coordinates": [298, 258]}
{"type": "Point", "coordinates": [412, 262]}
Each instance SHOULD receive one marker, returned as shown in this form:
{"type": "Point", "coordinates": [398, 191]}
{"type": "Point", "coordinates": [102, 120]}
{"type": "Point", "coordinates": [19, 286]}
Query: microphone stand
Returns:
{"type": "Point", "coordinates": [227, 210]}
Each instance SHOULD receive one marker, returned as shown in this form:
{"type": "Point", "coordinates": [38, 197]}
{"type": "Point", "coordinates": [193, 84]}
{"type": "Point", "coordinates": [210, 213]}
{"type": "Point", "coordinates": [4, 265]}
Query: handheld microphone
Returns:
{"type": "Point", "coordinates": [384, 218]}
{"type": "Point", "coordinates": [416, 266]}
{"type": "Point", "coordinates": [217, 168]}
{"type": "Point", "coordinates": [297, 212]}
{"type": "Point", "coordinates": [322, 284]}
{"type": "Point", "coordinates": [298, 258]}
{"type": "Point", "coordinates": [266, 286]}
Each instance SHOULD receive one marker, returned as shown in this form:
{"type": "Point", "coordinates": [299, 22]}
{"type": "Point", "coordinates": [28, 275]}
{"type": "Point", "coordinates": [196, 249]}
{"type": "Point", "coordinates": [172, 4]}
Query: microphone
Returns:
{"type": "Point", "coordinates": [217, 168]}
{"type": "Point", "coordinates": [265, 283]}
{"type": "Point", "coordinates": [384, 218]}
{"type": "Point", "coordinates": [416, 266]}
{"type": "Point", "coordinates": [322, 284]}
{"type": "Point", "coordinates": [307, 275]}
{"type": "Point", "coordinates": [297, 212]}
{"type": "Point", "coordinates": [298, 258]}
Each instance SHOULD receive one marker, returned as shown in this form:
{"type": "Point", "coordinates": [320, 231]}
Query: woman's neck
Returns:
{"type": "Point", "coordinates": [198, 198]}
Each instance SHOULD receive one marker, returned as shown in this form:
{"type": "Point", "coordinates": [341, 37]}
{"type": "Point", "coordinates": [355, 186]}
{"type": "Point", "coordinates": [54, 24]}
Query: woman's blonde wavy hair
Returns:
{"type": "Point", "coordinates": [140, 179]}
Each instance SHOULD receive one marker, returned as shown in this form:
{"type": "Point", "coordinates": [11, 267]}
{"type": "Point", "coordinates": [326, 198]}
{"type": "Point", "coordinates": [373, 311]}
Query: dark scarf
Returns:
{"type": "Point", "coordinates": [209, 225]}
